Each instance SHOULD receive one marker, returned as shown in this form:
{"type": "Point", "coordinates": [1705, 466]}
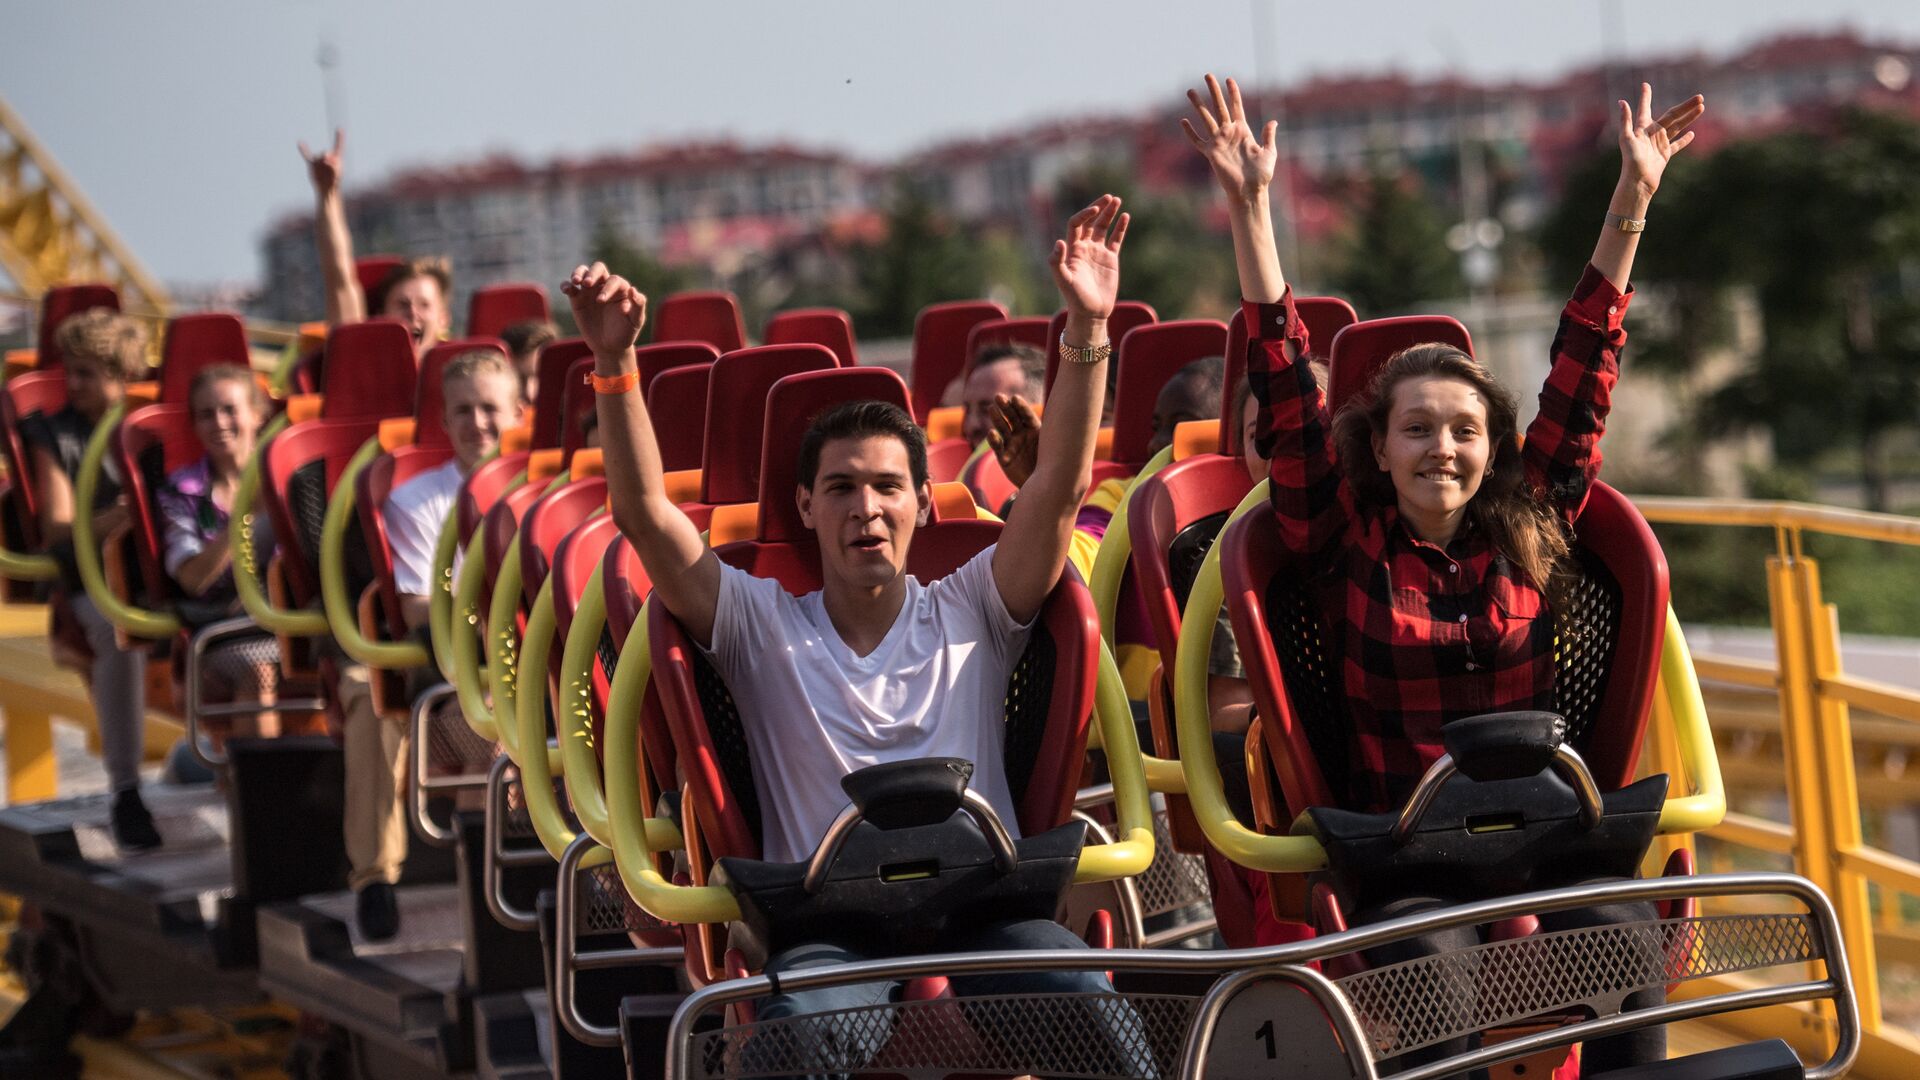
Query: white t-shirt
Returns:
{"type": "Point", "coordinates": [415, 511]}
{"type": "Point", "coordinates": [936, 686]}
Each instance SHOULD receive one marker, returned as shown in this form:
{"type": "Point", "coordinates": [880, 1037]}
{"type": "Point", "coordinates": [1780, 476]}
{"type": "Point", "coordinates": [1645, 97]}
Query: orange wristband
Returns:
{"type": "Point", "coordinates": [613, 384]}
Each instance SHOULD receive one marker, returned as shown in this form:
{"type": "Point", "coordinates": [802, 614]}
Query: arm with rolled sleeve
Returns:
{"type": "Point", "coordinates": [1562, 450]}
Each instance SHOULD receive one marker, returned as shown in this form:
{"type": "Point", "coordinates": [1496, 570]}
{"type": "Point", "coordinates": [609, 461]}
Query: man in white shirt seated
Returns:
{"type": "Point", "coordinates": [481, 393]}
{"type": "Point", "coordinates": [876, 666]}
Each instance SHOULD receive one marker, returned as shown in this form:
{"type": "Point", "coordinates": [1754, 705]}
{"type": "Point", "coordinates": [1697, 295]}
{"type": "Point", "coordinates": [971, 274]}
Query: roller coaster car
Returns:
{"type": "Point", "coordinates": [712, 317]}
{"type": "Point", "coordinates": [41, 393]}
{"type": "Point", "coordinates": [830, 327]}
{"type": "Point", "coordinates": [1048, 696]}
{"type": "Point", "coordinates": [493, 308]}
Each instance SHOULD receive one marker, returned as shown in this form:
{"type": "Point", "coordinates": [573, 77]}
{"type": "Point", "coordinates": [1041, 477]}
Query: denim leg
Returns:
{"type": "Point", "coordinates": [1125, 1035]}
{"type": "Point", "coordinates": [1641, 1047]}
{"type": "Point", "coordinates": [830, 1040]}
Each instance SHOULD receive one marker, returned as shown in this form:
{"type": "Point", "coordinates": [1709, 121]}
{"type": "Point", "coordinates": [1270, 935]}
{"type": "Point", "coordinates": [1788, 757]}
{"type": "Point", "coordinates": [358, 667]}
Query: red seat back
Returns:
{"type": "Point", "coordinates": [792, 404]}
{"type": "Point", "coordinates": [831, 327]}
{"type": "Point", "coordinates": [1127, 314]}
{"type": "Point", "coordinates": [575, 558]}
{"type": "Point", "coordinates": [1324, 316]}
{"type": "Point", "coordinates": [736, 414]}
{"type": "Point", "coordinates": [548, 521]}
{"type": "Point", "coordinates": [483, 487]}
{"type": "Point", "coordinates": [499, 527]}
{"type": "Point", "coordinates": [430, 398]}
{"type": "Point", "coordinates": [150, 443]}
{"type": "Point", "coordinates": [370, 370]}
{"type": "Point", "coordinates": [45, 393]}
{"type": "Point", "coordinates": [712, 317]}
{"type": "Point", "coordinates": [550, 374]}
{"type": "Point", "coordinates": [301, 465]}
{"type": "Point", "coordinates": [576, 406]}
{"type": "Point", "coordinates": [946, 458]}
{"type": "Point", "coordinates": [375, 484]}
{"type": "Point", "coordinates": [940, 353]}
{"type": "Point", "coordinates": [626, 584]}
{"type": "Point", "coordinates": [496, 307]}
{"type": "Point", "coordinates": [196, 342]}
{"type": "Point", "coordinates": [1173, 518]}
{"type": "Point", "coordinates": [57, 304]}
{"type": "Point", "coordinates": [1148, 357]}
{"type": "Point", "coordinates": [1359, 350]}
{"type": "Point", "coordinates": [370, 271]}
{"type": "Point", "coordinates": [680, 397]}
{"type": "Point", "coordinates": [1030, 331]}
{"type": "Point", "coordinates": [654, 359]}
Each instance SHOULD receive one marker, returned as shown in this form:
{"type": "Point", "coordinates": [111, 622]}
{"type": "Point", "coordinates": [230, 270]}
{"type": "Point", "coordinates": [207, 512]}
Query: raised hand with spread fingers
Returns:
{"type": "Point", "coordinates": [1647, 145]}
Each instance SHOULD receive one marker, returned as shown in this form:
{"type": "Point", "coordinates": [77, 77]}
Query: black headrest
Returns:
{"type": "Point", "coordinates": [1504, 746]}
{"type": "Point", "coordinates": [901, 794]}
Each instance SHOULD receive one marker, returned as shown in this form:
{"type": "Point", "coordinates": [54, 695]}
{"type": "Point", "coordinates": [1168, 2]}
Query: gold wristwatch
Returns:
{"type": "Point", "coordinates": [1625, 224]}
{"type": "Point", "coordinates": [1088, 354]}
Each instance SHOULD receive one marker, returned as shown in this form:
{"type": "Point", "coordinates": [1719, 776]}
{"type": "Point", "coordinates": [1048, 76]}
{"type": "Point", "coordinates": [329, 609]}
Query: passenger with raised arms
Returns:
{"type": "Point", "coordinates": [1437, 536]}
{"type": "Point", "coordinates": [417, 292]}
{"type": "Point", "coordinates": [876, 666]}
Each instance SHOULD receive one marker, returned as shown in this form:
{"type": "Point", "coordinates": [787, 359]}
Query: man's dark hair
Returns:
{"type": "Point", "coordinates": [859, 420]}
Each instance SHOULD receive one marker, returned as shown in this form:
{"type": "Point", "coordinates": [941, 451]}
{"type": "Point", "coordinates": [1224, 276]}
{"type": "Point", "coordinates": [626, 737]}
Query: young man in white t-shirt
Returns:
{"type": "Point", "coordinates": [481, 394]}
{"type": "Point", "coordinates": [876, 666]}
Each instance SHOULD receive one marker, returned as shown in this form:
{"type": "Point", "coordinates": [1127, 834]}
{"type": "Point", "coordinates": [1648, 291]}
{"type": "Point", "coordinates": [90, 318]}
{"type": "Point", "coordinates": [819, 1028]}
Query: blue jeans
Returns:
{"type": "Point", "coordinates": [999, 937]}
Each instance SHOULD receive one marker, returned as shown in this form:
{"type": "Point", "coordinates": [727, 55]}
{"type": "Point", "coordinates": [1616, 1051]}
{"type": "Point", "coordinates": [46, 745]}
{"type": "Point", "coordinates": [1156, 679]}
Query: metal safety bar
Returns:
{"type": "Point", "coordinates": [582, 856]}
{"type": "Point", "coordinates": [499, 858]}
{"type": "Point", "coordinates": [198, 711]}
{"type": "Point", "coordinates": [425, 784]}
{"type": "Point", "coordinates": [1290, 963]}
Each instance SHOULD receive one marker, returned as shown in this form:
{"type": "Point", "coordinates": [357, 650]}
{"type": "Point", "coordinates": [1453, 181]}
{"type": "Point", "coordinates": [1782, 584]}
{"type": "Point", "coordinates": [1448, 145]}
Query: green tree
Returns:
{"type": "Point", "coordinates": [1171, 261]}
{"type": "Point", "coordinates": [924, 259]}
{"type": "Point", "coordinates": [1395, 254]}
{"type": "Point", "coordinates": [1824, 228]}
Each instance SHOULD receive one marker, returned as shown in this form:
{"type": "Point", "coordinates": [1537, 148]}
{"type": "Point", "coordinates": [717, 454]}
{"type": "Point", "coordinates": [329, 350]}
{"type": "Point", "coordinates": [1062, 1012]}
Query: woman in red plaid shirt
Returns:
{"type": "Point", "coordinates": [1436, 530]}
{"type": "Point", "coordinates": [1433, 532]}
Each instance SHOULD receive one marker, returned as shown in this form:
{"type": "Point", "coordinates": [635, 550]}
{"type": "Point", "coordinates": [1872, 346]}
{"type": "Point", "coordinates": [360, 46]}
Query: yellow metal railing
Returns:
{"type": "Point", "coordinates": [1825, 840]}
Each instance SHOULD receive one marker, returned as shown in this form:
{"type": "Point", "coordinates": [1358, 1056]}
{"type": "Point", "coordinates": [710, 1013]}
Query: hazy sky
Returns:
{"type": "Point", "coordinates": [179, 119]}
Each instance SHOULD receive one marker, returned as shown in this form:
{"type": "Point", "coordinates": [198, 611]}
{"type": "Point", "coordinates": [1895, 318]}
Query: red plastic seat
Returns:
{"type": "Point", "coordinates": [370, 369]}
{"type": "Point", "coordinates": [680, 393]}
{"type": "Point", "coordinates": [550, 380]}
{"type": "Point", "coordinates": [712, 317]}
{"type": "Point", "coordinates": [736, 415]}
{"type": "Point", "coordinates": [946, 458]}
{"type": "Point", "coordinates": [831, 327]}
{"type": "Point", "coordinates": [940, 348]}
{"type": "Point", "coordinates": [547, 522]}
{"type": "Point", "coordinates": [429, 397]}
{"type": "Point", "coordinates": [1127, 314]}
{"type": "Point", "coordinates": [58, 303]}
{"type": "Point", "coordinates": [1357, 351]}
{"type": "Point", "coordinates": [1030, 331]}
{"type": "Point", "coordinates": [1147, 358]}
{"type": "Point", "coordinates": [1046, 740]}
{"type": "Point", "coordinates": [36, 392]}
{"type": "Point", "coordinates": [150, 443]}
{"type": "Point", "coordinates": [371, 270]}
{"type": "Point", "coordinates": [496, 307]}
{"type": "Point", "coordinates": [195, 342]}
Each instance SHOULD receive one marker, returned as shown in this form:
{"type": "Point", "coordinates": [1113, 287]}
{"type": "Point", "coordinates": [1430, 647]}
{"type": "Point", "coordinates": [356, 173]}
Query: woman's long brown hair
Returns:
{"type": "Point", "coordinates": [1523, 529]}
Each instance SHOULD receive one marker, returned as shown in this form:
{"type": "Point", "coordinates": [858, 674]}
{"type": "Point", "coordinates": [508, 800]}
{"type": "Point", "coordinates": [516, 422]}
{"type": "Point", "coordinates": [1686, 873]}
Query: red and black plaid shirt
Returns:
{"type": "Point", "coordinates": [1426, 635]}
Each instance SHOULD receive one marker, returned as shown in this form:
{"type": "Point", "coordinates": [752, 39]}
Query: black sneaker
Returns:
{"type": "Point", "coordinates": [132, 826]}
{"type": "Point", "coordinates": [378, 912]}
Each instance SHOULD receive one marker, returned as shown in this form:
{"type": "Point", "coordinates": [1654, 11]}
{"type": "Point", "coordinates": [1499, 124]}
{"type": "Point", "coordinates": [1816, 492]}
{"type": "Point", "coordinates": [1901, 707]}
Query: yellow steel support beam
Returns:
{"type": "Point", "coordinates": [50, 233]}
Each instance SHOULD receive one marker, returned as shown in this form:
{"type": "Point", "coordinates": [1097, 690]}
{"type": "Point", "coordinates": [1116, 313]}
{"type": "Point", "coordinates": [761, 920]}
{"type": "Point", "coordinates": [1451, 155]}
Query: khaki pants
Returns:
{"type": "Point", "coordinates": [376, 767]}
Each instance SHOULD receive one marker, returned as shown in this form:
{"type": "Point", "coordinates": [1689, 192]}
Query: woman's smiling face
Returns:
{"type": "Point", "coordinates": [1436, 448]}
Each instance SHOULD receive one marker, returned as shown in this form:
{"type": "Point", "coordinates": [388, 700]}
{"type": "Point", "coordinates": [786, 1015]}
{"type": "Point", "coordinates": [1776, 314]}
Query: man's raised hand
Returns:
{"type": "Point", "coordinates": [1241, 163]}
{"type": "Point", "coordinates": [324, 168]}
{"type": "Point", "coordinates": [608, 309]}
{"type": "Point", "coordinates": [1647, 144]}
{"type": "Point", "coordinates": [1086, 265]}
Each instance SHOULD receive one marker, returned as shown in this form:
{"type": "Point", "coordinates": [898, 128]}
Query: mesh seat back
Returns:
{"type": "Point", "coordinates": [301, 466]}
